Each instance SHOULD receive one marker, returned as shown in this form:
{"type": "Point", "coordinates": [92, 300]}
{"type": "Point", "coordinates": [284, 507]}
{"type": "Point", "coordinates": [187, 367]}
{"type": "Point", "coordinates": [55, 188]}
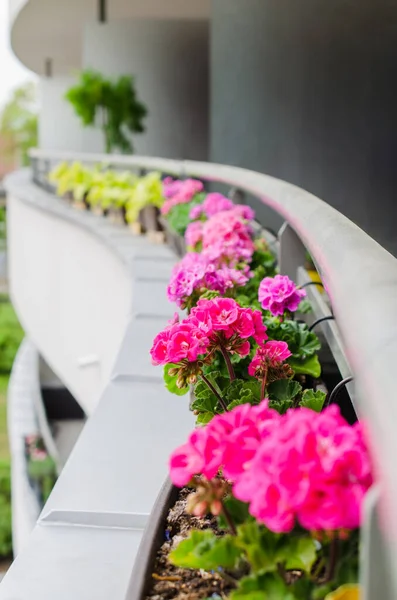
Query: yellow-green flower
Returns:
{"type": "Point", "coordinates": [345, 592]}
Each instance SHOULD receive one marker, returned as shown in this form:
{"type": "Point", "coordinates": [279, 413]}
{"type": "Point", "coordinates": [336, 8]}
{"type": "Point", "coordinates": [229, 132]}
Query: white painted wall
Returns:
{"type": "Point", "coordinates": [59, 127]}
{"type": "Point", "coordinates": [72, 295]}
{"type": "Point", "coordinates": [170, 62]}
{"type": "Point", "coordinates": [53, 29]}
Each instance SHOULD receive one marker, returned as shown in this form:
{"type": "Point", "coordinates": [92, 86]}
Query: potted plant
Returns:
{"type": "Point", "coordinates": [114, 103]}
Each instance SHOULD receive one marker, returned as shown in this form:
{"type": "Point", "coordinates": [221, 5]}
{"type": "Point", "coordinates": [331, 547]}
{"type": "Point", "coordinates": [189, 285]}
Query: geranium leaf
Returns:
{"type": "Point", "coordinates": [284, 390]}
{"type": "Point", "coordinates": [263, 586]}
{"type": "Point", "coordinates": [281, 407]}
{"type": "Point", "coordinates": [308, 366]}
{"type": "Point", "coordinates": [204, 550]}
{"type": "Point", "coordinates": [242, 391]}
{"type": "Point", "coordinates": [298, 553]}
{"type": "Point", "coordinates": [204, 418]}
{"type": "Point", "coordinates": [259, 544]}
{"type": "Point", "coordinates": [313, 399]}
{"type": "Point", "coordinates": [170, 381]}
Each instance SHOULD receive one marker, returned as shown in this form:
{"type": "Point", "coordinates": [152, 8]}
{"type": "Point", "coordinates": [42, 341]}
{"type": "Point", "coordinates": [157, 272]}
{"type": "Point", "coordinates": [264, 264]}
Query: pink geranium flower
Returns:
{"type": "Point", "coordinates": [272, 354]}
{"type": "Point", "coordinates": [194, 233]}
{"type": "Point", "coordinates": [306, 467]}
{"type": "Point", "coordinates": [179, 192]}
{"type": "Point", "coordinates": [278, 294]}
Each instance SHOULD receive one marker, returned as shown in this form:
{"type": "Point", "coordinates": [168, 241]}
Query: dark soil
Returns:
{"type": "Point", "coordinates": [172, 583]}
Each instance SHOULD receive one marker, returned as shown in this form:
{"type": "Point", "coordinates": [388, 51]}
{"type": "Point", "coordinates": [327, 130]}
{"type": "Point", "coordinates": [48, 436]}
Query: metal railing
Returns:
{"type": "Point", "coordinates": [360, 278]}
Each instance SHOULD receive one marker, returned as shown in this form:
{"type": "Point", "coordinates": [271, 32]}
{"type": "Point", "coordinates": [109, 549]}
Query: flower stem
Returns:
{"type": "Point", "coordinates": [214, 391]}
{"type": "Point", "coordinates": [333, 557]}
{"type": "Point", "coordinates": [228, 362]}
{"type": "Point", "coordinates": [228, 519]}
{"type": "Point", "coordinates": [263, 386]}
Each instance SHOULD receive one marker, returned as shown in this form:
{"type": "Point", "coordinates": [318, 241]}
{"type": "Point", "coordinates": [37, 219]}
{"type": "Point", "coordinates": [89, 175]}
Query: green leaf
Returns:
{"type": "Point", "coordinates": [299, 553]}
{"type": "Point", "coordinates": [309, 366]}
{"type": "Point", "coordinates": [178, 217]}
{"type": "Point", "coordinates": [263, 586]}
{"type": "Point", "coordinates": [301, 342]}
{"type": "Point", "coordinates": [204, 550]}
{"type": "Point", "coordinates": [313, 399]}
{"type": "Point", "coordinates": [242, 391]}
{"type": "Point", "coordinates": [205, 401]}
{"type": "Point", "coordinates": [305, 307]}
{"type": "Point", "coordinates": [238, 511]}
{"type": "Point", "coordinates": [284, 390]}
{"type": "Point", "coordinates": [281, 407]}
{"type": "Point", "coordinates": [204, 418]}
{"type": "Point", "coordinates": [259, 544]}
{"type": "Point", "coordinates": [170, 381]}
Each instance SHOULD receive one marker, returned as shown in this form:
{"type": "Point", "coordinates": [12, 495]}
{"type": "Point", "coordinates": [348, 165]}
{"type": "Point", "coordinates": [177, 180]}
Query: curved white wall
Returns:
{"type": "Point", "coordinates": [170, 62]}
{"type": "Point", "coordinates": [72, 295]}
{"type": "Point", "coordinates": [59, 127]}
{"type": "Point", "coordinates": [42, 29]}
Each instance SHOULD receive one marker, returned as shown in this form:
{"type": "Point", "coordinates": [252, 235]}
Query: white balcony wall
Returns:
{"type": "Point", "coordinates": [59, 127]}
{"type": "Point", "coordinates": [169, 59]}
{"type": "Point", "coordinates": [71, 294]}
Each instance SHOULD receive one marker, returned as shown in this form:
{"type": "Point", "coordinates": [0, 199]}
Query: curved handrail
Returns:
{"type": "Point", "coordinates": [359, 275]}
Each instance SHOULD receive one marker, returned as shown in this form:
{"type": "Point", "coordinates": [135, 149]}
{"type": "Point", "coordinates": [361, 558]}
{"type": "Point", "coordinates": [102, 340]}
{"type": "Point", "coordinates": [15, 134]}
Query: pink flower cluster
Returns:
{"type": "Point", "coordinates": [229, 442]}
{"type": "Point", "coordinates": [226, 237]}
{"type": "Point", "coordinates": [196, 273]}
{"type": "Point", "coordinates": [306, 467]}
{"type": "Point", "coordinates": [178, 191]}
{"type": "Point", "coordinates": [210, 323]}
{"type": "Point", "coordinates": [215, 203]}
{"type": "Point", "coordinates": [272, 354]}
{"type": "Point", "coordinates": [194, 233]}
{"type": "Point", "coordinates": [278, 294]}
{"type": "Point", "coordinates": [318, 475]}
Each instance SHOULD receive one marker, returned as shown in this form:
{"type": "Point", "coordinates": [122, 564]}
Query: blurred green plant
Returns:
{"type": "Point", "coordinates": [18, 123]}
{"type": "Point", "coordinates": [5, 510]}
{"type": "Point", "coordinates": [114, 103]}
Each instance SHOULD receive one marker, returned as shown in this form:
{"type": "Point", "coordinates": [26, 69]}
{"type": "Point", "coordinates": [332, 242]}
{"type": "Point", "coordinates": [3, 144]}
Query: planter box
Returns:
{"type": "Point", "coordinates": [149, 219]}
{"type": "Point", "coordinates": [176, 241]}
{"type": "Point", "coordinates": [152, 540]}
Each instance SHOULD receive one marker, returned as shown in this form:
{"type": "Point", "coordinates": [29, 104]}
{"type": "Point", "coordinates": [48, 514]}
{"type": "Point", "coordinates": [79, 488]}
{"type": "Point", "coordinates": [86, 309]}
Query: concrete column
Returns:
{"type": "Point", "coordinates": [307, 93]}
{"type": "Point", "coordinates": [169, 60]}
{"type": "Point", "coordinates": [59, 128]}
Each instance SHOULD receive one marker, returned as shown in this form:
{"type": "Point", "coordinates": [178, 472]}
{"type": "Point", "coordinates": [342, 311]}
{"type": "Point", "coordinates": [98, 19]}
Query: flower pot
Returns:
{"type": "Point", "coordinates": [115, 216]}
{"type": "Point", "coordinates": [79, 205]}
{"type": "Point", "coordinates": [98, 210]}
{"type": "Point", "coordinates": [149, 218]}
{"type": "Point", "coordinates": [85, 202]}
{"type": "Point", "coordinates": [152, 539]}
{"type": "Point", "coordinates": [135, 227]}
{"type": "Point", "coordinates": [68, 196]}
{"type": "Point", "coordinates": [174, 240]}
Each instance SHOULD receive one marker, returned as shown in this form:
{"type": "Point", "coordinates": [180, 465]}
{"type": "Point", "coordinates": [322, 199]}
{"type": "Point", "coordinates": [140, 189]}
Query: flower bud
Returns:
{"type": "Point", "coordinates": [180, 382]}
{"type": "Point", "coordinates": [216, 507]}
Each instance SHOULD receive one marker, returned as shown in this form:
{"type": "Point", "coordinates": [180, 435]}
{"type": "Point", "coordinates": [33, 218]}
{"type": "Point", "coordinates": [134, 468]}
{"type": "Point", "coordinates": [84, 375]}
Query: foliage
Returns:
{"type": "Point", "coordinates": [288, 567]}
{"type": "Point", "coordinates": [5, 510]}
{"type": "Point", "coordinates": [41, 467]}
{"type": "Point", "coordinates": [11, 335]}
{"type": "Point", "coordinates": [115, 103]}
{"type": "Point", "coordinates": [178, 218]}
{"type": "Point", "coordinates": [18, 122]}
{"type": "Point", "coordinates": [107, 188]}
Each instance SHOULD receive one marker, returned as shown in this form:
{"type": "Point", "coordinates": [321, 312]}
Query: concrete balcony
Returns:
{"type": "Point", "coordinates": [116, 283]}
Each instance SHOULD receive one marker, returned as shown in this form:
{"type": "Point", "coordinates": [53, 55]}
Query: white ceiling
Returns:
{"type": "Point", "coordinates": [53, 29]}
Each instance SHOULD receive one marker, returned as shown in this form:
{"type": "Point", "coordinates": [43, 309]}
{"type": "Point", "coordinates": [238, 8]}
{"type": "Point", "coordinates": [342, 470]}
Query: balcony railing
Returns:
{"type": "Point", "coordinates": [87, 536]}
